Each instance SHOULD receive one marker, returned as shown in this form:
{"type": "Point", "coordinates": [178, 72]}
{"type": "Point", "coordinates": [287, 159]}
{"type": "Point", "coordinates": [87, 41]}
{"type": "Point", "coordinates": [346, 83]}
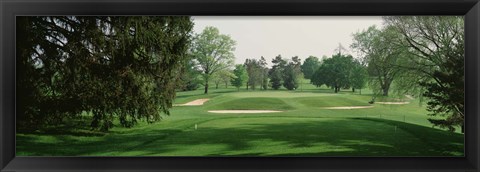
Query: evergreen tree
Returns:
{"type": "Point", "coordinates": [275, 73]}
{"type": "Point", "coordinates": [111, 67]}
{"type": "Point", "coordinates": [291, 73]}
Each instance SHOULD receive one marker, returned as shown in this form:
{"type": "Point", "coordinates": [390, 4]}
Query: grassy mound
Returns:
{"type": "Point", "coordinates": [260, 103]}
{"type": "Point", "coordinates": [333, 101]}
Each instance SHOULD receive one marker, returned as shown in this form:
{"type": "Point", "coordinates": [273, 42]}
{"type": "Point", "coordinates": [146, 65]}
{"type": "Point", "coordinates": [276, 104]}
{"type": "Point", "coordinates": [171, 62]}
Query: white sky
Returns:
{"type": "Point", "coordinates": [302, 36]}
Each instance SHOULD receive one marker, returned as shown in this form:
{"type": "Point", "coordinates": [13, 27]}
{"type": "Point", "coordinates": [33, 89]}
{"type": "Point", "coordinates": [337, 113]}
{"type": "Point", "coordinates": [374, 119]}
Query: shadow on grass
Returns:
{"type": "Point", "coordinates": [339, 137]}
{"type": "Point", "coordinates": [81, 128]}
{"type": "Point", "coordinates": [211, 93]}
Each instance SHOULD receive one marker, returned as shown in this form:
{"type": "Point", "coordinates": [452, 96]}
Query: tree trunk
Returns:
{"type": "Point", "coordinates": [360, 91]}
{"type": "Point", "coordinates": [353, 89]}
{"type": "Point", "coordinates": [463, 128]}
{"type": "Point", "coordinates": [385, 91]}
{"type": "Point", "coordinates": [206, 87]}
{"type": "Point", "coordinates": [386, 87]}
{"type": "Point", "coordinates": [216, 86]}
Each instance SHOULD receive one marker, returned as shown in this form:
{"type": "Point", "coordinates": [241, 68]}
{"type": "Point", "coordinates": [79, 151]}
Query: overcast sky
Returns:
{"type": "Point", "coordinates": [302, 36]}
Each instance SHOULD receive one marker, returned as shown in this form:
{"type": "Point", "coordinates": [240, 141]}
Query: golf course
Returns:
{"type": "Point", "coordinates": [303, 124]}
{"type": "Point", "coordinates": [380, 86]}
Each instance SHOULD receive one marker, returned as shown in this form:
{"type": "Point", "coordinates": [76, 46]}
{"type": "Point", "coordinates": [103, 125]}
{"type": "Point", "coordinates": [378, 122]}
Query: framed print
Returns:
{"type": "Point", "coordinates": [239, 85]}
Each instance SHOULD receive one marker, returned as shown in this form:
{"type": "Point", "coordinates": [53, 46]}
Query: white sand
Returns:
{"type": "Point", "coordinates": [409, 97]}
{"type": "Point", "coordinates": [197, 102]}
{"type": "Point", "coordinates": [243, 111]}
{"type": "Point", "coordinates": [393, 103]}
{"type": "Point", "coordinates": [348, 107]}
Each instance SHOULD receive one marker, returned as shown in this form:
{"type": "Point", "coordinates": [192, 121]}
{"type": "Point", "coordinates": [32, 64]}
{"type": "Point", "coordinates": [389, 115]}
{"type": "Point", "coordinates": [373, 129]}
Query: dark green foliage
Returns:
{"type": "Point", "coordinates": [447, 95]}
{"type": "Point", "coordinates": [289, 78]}
{"type": "Point", "coordinates": [358, 76]}
{"type": "Point", "coordinates": [291, 73]}
{"type": "Point", "coordinates": [189, 79]}
{"type": "Point", "coordinates": [437, 46]}
{"type": "Point", "coordinates": [334, 72]}
{"type": "Point", "coordinates": [285, 74]}
{"type": "Point", "coordinates": [275, 73]}
{"type": "Point", "coordinates": [317, 78]}
{"type": "Point", "coordinates": [111, 67]}
{"type": "Point", "coordinates": [309, 66]}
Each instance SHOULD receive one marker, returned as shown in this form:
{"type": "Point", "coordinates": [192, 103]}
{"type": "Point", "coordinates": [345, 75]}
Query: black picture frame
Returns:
{"type": "Point", "coordinates": [11, 8]}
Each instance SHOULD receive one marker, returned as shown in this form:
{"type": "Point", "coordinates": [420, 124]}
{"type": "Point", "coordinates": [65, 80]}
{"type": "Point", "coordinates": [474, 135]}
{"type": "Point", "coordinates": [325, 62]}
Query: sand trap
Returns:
{"type": "Point", "coordinates": [409, 97]}
{"type": "Point", "coordinates": [348, 107]}
{"type": "Point", "coordinates": [197, 102]}
{"type": "Point", "coordinates": [392, 103]}
{"type": "Point", "coordinates": [243, 111]}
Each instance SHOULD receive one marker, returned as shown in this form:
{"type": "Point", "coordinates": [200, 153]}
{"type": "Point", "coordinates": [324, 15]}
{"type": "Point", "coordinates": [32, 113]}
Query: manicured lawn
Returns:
{"type": "Point", "coordinates": [302, 129]}
{"type": "Point", "coordinates": [261, 103]}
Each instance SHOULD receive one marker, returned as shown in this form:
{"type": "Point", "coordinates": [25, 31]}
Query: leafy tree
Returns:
{"type": "Point", "coordinates": [381, 55]}
{"type": "Point", "coordinates": [264, 73]}
{"type": "Point", "coordinates": [358, 76]}
{"type": "Point", "coordinates": [223, 76]}
{"type": "Point", "coordinates": [241, 76]}
{"type": "Point", "coordinates": [436, 45]}
{"type": "Point", "coordinates": [309, 66]}
{"type": "Point", "coordinates": [256, 70]}
{"type": "Point", "coordinates": [289, 78]}
{"type": "Point", "coordinates": [291, 73]}
{"type": "Point", "coordinates": [275, 73]}
{"type": "Point", "coordinates": [111, 67]}
{"type": "Point", "coordinates": [317, 78]}
{"type": "Point", "coordinates": [334, 72]}
{"type": "Point", "coordinates": [213, 52]}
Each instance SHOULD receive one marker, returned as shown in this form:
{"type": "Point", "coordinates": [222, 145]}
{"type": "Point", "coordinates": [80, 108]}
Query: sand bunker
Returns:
{"type": "Point", "coordinates": [243, 111]}
{"type": "Point", "coordinates": [197, 102]}
{"type": "Point", "coordinates": [392, 103]}
{"type": "Point", "coordinates": [348, 107]}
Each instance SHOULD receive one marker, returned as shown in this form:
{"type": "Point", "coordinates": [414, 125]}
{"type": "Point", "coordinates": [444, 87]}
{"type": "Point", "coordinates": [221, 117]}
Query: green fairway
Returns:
{"type": "Point", "coordinates": [303, 128]}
